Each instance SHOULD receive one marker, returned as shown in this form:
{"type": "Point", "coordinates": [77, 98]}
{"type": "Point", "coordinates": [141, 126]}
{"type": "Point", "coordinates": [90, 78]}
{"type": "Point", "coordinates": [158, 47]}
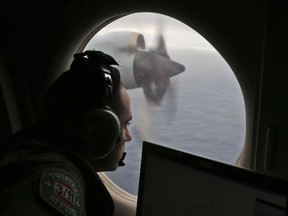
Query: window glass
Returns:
{"type": "Point", "coordinates": [183, 93]}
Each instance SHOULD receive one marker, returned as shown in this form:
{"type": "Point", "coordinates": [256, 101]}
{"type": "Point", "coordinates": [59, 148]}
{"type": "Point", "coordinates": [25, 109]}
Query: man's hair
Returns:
{"type": "Point", "coordinates": [76, 92]}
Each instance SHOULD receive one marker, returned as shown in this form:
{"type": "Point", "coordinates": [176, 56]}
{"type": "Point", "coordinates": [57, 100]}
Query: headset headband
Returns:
{"type": "Point", "coordinates": [96, 62]}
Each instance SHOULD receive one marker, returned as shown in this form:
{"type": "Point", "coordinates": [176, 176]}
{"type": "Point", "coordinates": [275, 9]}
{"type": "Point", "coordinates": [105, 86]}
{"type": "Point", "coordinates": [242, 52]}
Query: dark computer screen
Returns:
{"type": "Point", "coordinates": [177, 183]}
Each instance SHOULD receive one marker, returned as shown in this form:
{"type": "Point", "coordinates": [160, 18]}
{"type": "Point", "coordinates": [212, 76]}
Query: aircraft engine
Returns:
{"type": "Point", "coordinates": [139, 68]}
{"type": "Point", "coordinates": [153, 71]}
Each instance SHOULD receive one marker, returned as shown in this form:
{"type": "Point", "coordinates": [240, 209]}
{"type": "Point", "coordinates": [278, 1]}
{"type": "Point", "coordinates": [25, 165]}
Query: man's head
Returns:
{"type": "Point", "coordinates": [86, 109]}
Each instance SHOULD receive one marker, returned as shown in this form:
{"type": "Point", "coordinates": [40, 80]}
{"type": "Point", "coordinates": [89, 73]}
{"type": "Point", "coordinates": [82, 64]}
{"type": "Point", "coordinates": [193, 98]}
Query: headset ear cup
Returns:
{"type": "Point", "coordinates": [101, 130]}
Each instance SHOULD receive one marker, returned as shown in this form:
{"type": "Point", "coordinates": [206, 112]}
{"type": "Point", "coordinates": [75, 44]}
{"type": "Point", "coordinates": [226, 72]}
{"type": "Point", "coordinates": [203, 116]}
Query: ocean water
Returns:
{"type": "Point", "coordinates": [202, 112]}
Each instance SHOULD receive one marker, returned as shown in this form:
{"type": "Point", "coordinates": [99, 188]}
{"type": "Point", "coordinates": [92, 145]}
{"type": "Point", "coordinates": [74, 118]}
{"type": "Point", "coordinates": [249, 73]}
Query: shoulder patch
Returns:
{"type": "Point", "coordinates": [61, 191]}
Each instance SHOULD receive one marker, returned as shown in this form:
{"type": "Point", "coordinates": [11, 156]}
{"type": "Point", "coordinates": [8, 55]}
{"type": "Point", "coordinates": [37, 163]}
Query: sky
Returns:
{"type": "Point", "coordinates": [149, 24]}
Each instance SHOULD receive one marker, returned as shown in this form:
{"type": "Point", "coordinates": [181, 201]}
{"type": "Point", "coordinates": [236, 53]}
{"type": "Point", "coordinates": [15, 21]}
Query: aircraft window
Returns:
{"type": "Point", "coordinates": [183, 93]}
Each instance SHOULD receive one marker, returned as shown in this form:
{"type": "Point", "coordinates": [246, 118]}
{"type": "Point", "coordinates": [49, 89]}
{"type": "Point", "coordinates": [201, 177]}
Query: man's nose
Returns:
{"type": "Point", "coordinates": [128, 136]}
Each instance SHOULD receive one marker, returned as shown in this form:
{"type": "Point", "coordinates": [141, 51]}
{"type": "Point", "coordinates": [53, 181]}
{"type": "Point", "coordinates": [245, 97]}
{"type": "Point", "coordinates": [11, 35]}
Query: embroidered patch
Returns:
{"type": "Point", "coordinates": [61, 191]}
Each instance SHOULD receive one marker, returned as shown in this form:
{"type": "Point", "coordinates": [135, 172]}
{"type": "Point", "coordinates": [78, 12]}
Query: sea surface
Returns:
{"type": "Point", "coordinates": [202, 112]}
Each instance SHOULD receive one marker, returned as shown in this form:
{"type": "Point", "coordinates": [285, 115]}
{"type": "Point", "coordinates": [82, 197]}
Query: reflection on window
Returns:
{"type": "Point", "coordinates": [183, 93]}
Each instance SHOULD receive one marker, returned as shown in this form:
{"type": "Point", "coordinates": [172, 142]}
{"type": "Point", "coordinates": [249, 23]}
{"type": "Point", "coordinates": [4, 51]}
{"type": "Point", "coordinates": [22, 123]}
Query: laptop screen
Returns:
{"type": "Point", "coordinates": [175, 183]}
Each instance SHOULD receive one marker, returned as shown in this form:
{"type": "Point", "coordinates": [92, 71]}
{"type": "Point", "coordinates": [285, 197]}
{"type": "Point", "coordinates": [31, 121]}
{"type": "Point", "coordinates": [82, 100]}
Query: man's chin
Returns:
{"type": "Point", "coordinates": [121, 161]}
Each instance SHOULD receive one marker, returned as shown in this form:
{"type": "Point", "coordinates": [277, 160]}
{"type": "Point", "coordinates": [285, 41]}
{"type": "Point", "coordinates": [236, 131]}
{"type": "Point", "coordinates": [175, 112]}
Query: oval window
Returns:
{"type": "Point", "coordinates": [183, 93]}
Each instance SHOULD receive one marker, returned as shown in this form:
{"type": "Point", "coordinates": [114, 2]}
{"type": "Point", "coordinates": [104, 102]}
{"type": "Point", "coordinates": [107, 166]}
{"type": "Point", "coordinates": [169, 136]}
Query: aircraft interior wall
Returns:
{"type": "Point", "coordinates": [272, 137]}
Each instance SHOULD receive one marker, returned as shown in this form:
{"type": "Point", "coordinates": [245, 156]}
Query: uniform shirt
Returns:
{"type": "Point", "coordinates": [39, 180]}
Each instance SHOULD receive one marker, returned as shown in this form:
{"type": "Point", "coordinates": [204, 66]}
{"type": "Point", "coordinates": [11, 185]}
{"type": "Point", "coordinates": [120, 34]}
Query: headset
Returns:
{"type": "Point", "coordinates": [100, 130]}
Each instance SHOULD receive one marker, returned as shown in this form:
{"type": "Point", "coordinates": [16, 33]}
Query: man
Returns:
{"type": "Point", "coordinates": [82, 129]}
